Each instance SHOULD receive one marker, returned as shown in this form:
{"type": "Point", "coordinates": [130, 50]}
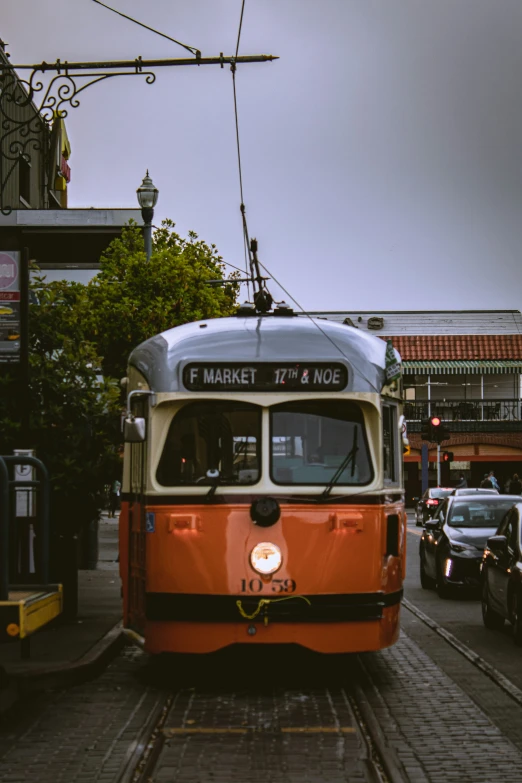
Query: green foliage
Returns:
{"type": "Point", "coordinates": [73, 411]}
{"type": "Point", "coordinates": [131, 300]}
{"type": "Point", "coordinates": [80, 340]}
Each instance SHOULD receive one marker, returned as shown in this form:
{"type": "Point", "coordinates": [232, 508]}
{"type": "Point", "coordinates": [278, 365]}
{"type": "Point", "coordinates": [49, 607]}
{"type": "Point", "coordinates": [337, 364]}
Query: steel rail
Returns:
{"type": "Point", "coordinates": [379, 759]}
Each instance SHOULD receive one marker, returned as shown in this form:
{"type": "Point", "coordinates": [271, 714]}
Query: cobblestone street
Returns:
{"type": "Point", "coordinates": [263, 716]}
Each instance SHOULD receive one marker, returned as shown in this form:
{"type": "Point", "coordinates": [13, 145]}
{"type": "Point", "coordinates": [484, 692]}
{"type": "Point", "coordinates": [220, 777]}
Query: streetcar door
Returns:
{"type": "Point", "coordinates": [137, 526]}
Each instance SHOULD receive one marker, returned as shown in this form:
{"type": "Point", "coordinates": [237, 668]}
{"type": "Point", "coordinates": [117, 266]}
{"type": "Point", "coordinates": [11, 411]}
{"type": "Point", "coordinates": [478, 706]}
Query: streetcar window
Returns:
{"type": "Point", "coordinates": [310, 441]}
{"type": "Point", "coordinates": [210, 436]}
{"type": "Point", "coordinates": [389, 443]}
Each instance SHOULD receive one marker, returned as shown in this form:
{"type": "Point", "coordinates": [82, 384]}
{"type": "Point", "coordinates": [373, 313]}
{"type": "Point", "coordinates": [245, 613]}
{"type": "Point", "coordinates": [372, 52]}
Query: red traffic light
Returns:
{"type": "Point", "coordinates": [435, 421]}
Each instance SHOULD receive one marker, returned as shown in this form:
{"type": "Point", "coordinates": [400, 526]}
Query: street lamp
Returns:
{"type": "Point", "coordinates": [147, 197]}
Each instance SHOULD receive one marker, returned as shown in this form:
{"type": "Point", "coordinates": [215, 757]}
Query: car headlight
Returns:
{"type": "Point", "coordinates": [266, 558]}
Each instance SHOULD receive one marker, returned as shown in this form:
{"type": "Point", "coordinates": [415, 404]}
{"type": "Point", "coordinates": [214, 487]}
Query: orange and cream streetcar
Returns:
{"type": "Point", "coordinates": [263, 496]}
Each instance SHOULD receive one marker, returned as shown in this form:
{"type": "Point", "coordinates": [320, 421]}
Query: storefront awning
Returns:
{"type": "Point", "coordinates": [462, 366]}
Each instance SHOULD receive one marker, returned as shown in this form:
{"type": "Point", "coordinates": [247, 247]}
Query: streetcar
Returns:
{"type": "Point", "coordinates": [262, 497]}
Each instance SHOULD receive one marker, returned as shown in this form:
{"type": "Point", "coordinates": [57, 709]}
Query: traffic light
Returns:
{"type": "Point", "coordinates": [434, 430]}
{"type": "Point", "coordinates": [448, 456]}
{"type": "Point", "coordinates": [426, 429]}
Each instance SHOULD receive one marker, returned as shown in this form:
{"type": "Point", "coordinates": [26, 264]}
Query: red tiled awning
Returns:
{"type": "Point", "coordinates": [455, 346]}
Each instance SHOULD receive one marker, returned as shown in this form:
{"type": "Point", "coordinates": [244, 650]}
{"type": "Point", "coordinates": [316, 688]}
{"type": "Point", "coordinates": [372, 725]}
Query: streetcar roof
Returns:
{"type": "Point", "coordinates": [261, 339]}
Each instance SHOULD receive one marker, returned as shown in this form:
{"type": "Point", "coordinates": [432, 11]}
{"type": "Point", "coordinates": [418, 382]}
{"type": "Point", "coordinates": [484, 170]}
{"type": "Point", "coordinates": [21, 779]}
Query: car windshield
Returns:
{"type": "Point", "coordinates": [440, 493]}
{"type": "Point", "coordinates": [310, 440]}
{"type": "Point", "coordinates": [478, 513]}
{"type": "Point", "coordinates": [203, 436]}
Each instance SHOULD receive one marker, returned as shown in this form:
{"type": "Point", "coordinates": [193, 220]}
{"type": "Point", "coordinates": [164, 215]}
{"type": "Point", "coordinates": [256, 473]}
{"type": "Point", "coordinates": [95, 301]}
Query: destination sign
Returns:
{"type": "Point", "coordinates": [265, 376]}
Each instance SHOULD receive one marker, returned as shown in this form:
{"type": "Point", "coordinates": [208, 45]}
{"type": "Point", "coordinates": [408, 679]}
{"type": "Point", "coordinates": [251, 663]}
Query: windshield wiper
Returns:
{"type": "Point", "coordinates": [350, 458]}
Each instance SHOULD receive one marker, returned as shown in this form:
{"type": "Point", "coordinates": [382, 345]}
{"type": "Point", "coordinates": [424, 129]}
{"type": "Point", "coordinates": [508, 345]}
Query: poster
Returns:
{"type": "Point", "coordinates": [9, 306]}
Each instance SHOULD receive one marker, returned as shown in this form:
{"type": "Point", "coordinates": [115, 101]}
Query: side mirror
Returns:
{"type": "Point", "coordinates": [431, 525]}
{"type": "Point", "coordinates": [415, 500]}
{"type": "Point", "coordinates": [497, 544]}
{"type": "Point", "coordinates": [134, 430]}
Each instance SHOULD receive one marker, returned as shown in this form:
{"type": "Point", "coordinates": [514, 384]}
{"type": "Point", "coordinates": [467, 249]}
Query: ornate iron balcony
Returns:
{"type": "Point", "coordinates": [465, 410]}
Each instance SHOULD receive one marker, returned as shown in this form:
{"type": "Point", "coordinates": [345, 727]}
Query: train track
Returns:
{"type": "Point", "coordinates": [264, 733]}
{"type": "Point", "coordinates": [238, 725]}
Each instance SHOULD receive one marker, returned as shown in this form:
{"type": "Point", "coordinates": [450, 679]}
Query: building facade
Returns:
{"type": "Point", "coordinates": [35, 172]}
{"type": "Point", "coordinates": [466, 368]}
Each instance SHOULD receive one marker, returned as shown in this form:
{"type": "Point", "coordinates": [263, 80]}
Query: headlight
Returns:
{"type": "Point", "coordinates": [266, 558]}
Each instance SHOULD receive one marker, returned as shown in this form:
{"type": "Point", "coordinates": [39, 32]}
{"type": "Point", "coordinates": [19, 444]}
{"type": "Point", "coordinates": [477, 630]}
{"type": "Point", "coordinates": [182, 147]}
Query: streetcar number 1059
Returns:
{"type": "Point", "coordinates": [276, 586]}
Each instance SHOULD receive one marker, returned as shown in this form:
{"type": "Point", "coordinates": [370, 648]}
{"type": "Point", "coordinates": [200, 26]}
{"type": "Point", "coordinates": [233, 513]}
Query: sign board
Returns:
{"type": "Point", "coordinates": [265, 377]}
{"type": "Point", "coordinates": [25, 507]}
{"type": "Point", "coordinates": [10, 326]}
{"type": "Point", "coordinates": [460, 465]}
{"type": "Point", "coordinates": [393, 366]}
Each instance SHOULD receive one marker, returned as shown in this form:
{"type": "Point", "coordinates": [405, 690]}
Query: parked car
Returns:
{"type": "Point", "coordinates": [501, 575]}
{"type": "Point", "coordinates": [428, 504]}
{"type": "Point", "coordinates": [452, 543]}
{"type": "Point", "coordinates": [474, 491]}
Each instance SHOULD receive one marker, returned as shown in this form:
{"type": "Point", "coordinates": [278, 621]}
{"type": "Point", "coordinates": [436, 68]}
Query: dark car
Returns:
{"type": "Point", "coordinates": [452, 543]}
{"type": "Point", "coordinates": [501, 575]}
{"type": "Point", "coordinates": [428, 504]}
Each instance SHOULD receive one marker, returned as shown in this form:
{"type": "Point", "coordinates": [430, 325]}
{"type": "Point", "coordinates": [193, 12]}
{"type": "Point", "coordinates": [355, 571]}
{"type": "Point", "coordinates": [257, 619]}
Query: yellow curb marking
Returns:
{"type": "Point", "coordinates": [174, 732]}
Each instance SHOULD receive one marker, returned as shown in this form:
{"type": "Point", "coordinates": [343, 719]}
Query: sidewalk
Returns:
{"type": "Point", "coordinates": [67, 652]}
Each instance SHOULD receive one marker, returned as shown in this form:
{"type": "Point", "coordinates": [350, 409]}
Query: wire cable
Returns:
{"type": "Point", "coordinates": [276, 281]}
{"type": "Point", "coordinates": [190, 49]}
{"type": "Point", "coordinates": [246, 239]}
{"type": "Point", "coordinates": [240, 25]}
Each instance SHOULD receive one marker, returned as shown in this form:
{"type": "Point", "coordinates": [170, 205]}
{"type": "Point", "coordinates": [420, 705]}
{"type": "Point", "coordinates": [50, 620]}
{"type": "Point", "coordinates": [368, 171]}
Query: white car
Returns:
{"type": "Point", "coordinates": [474, 491]}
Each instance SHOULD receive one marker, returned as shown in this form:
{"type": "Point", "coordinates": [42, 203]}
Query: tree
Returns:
{"type": "Point", "coordinates": [79, 342]}
{"type": "Point", "coordinates": [73, 410]}
{"type": "Point", "coordinates": [131, 300]}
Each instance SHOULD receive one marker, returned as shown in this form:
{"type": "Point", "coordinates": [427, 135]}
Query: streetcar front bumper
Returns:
{"type": "Point", "coordinates": [183, 607]}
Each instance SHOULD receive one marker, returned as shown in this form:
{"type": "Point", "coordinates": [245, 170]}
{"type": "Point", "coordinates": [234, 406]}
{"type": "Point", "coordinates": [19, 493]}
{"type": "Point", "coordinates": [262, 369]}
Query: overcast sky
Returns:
{"type": "Point", "coordinates": [381, 154]}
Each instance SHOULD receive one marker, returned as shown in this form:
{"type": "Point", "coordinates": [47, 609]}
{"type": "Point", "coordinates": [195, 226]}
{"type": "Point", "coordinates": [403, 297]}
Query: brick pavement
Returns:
{"type": "Point", "coordinates": [266, 735]}
{"type": "Point", "coordinates": [83, 734]}
{"type": "Point", "coordinates": [438, 731]}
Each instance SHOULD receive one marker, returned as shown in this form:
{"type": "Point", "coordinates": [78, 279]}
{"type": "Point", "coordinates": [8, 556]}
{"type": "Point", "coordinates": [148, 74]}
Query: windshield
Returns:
{"type": "Point", "coordinates": [203, 436]}
{"type": "Point", "coordinates": [440, 493]}
{"type": "Point", "coordinates": [478, 513]}
{"type": "Point", "coordinates": [310, 440]}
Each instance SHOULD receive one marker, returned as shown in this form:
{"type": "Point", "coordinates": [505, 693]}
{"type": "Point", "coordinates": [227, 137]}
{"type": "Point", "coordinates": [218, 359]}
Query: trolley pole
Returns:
{"type": "Point", "coordinates": [438, 464]}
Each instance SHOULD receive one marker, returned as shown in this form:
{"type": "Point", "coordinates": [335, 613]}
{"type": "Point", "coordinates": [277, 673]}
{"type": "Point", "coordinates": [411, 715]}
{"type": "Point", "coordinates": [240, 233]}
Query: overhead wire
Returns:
{"type": "Point", "coordinates": [240, 26]}
{"type": "Point", "coordinates": [281, 286]}
{"type": "Point", "coordinates": [246, 239]}
{"type": "Point", "coordinates": [191, 49]}
{"type": "Point", "coordinates": [243, 209]}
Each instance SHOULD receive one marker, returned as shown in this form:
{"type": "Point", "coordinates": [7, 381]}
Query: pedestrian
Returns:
{"type": "Point", "coordinates": [114, 498]}
{"type": "Point", "coordinates": [486, 482]}
{"type": "Point", "coordinates": [494, 482]}
{"type": "Point", "coordinates": [461, 483]}
{"type": "Point", "coordinates": [515, 485]}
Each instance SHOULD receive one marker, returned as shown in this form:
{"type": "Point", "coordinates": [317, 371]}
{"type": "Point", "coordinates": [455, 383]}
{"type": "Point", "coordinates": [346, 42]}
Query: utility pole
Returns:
{"type": "Point", "coordinates": [28, 107]}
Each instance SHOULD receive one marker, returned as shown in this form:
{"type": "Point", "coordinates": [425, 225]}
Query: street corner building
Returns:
{"type": "Point", "coordinates": [466, 368]}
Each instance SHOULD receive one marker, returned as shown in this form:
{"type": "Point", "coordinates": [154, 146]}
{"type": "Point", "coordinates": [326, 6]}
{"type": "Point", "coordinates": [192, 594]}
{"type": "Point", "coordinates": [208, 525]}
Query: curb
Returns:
{"type": "Point", "coordinates": [387, 755]}
{"type": "Point", "coordinates": [68, 674]}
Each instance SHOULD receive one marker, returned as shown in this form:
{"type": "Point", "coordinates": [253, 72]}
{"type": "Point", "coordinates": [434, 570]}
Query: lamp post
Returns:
{"type": "Point", "coordinates": [147, 197]}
